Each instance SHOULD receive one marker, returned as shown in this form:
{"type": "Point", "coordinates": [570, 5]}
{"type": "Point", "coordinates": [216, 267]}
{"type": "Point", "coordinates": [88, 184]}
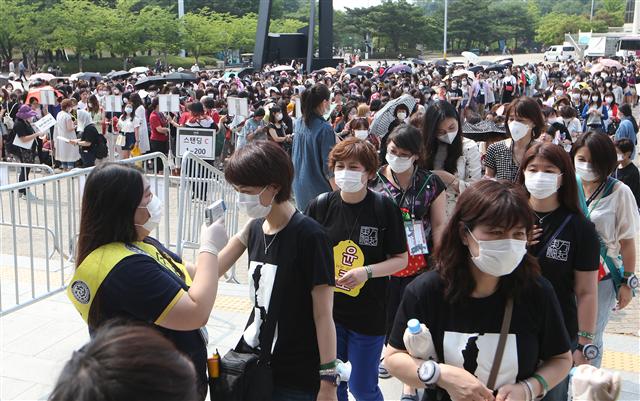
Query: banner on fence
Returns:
{"type": "Point", "coordinates": [199, 141]}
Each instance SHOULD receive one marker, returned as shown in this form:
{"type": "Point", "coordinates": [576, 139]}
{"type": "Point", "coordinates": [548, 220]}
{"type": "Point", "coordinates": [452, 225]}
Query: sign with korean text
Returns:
{"type": "Point", "coordinates": [199, 141]}
{"type": "Point", "coordinates": [169, 103]}
{"type": "Point", "coordinates": [113, 104]}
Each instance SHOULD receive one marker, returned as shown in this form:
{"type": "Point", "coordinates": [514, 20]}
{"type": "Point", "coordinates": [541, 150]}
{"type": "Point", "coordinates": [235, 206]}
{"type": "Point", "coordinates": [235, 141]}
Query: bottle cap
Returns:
{"type": "Point", "coordinates": [414, 326]}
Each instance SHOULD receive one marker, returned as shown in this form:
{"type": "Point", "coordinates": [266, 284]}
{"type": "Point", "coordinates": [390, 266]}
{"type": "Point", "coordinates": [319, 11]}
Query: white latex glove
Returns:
{"type": "Point", "coordinates": [591, 384]}
{"type": "Point", "coordinates": [213, 238]}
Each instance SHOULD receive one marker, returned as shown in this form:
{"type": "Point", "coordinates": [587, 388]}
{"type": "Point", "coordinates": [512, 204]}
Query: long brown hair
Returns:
{"type": "Point", "coordinates": [496, 203]}
{"type": "Point", "coordinates": [554, 154]}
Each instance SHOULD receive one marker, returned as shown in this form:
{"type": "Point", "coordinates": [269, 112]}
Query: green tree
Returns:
{"type": "Point", "coordinates": [553, 26]}
{"type": "Point", "coordinates": [161, 30]}
{"type": "Point", "coordinates": [198, 33]}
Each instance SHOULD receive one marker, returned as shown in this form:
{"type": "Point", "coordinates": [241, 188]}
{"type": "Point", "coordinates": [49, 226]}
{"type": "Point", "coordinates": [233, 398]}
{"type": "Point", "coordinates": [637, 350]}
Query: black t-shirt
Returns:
{"type": "Point", "coordinates": [575, 248]}
{"type": "Point", "coordinates": [466, 334]}
{"type": "Point", "coordinates": [631, 177]}
{"type": "Point", "coordinates": [371, 239]}
{"type": "Point", "coordinates": [140, 288]}
{"type": "Point", "coordinates": [90, 134]}
{"type": "Point", "coordinates": [455, 93]}
{"type": "Point", "coordinates": [301, 252]}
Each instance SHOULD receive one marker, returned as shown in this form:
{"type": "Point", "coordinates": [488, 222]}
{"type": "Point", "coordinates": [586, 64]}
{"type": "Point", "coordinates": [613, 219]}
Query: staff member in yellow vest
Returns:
{"type": "Point", "coordinates": [121, 272]}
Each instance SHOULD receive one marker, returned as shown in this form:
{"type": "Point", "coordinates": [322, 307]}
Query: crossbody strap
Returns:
{"type": "Point", "coordinates": [502, 341]}
{"type": "Point", "coordinates": [555, 234]}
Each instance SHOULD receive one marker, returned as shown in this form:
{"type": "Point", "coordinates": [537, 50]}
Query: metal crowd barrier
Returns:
{"type": "Point", "coordinates": [200, 185]}
{"type": "Point", "coordinates": [45, 222]}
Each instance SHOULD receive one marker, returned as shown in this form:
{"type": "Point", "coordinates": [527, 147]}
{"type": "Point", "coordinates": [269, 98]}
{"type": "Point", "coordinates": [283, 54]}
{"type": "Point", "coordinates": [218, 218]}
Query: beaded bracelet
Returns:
{"type": "Point", "coordinates": [586, 334]}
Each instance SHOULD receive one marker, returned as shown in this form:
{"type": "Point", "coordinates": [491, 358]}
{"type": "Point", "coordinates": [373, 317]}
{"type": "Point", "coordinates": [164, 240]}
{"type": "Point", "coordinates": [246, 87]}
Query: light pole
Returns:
{"type": "Point", "coordinates": [444, 44]}
{"type": "Point", "coordinates": [180, 15]}
{"type": "Point", "coordinates": [591, 16]}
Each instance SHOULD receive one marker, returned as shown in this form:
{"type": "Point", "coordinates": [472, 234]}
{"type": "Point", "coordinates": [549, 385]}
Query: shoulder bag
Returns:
{"type": "Point", "coordinates": [502, 342]}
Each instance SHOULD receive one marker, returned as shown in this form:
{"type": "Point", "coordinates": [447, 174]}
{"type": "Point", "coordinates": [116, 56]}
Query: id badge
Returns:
{"type": "Point", "coordinates": [416, 240]}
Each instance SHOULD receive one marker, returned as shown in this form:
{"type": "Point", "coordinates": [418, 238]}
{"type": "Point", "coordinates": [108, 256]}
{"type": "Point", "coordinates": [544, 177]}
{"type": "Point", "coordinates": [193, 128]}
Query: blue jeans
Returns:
{"type": "Point", "coordinates": [559, 392]}
{"type": "Point", "coordinates": [288, 394]}
{"type": "Point", "coordinates": [606, 303]}
{"type": "Point", "coordinates": [68, 165]}
{"type": "Point", "coordinates": [364, 354]}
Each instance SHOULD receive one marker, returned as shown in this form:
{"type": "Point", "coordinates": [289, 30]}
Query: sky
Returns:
{"type": "Point", "coordinates": [341, 4]}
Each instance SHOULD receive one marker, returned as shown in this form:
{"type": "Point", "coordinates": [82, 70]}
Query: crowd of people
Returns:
{"type": "Point", "coordinates": [370, 207]}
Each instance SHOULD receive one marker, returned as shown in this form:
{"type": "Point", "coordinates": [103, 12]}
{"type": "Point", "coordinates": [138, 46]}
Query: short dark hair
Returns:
{"type": "Point", "coordinates": [527, 107]}
{"type": "Point", "coordinates": [259, 164]}
{"type": "Point", "coordinates": [406, 137]}
{"type": "Point", "coordinates": [624, 144]}
{"type": "Point", "coordinates": [498, 203]}
{"type": "Point", "coordinates": [354, 148]}
{"type": "Point", "coordinates": [603, 153]}
{"type": "Point", "coordinates": [127, 362]}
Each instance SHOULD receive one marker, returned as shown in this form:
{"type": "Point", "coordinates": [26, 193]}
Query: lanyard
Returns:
{"type": "Point", "coordinates": [415, 197]}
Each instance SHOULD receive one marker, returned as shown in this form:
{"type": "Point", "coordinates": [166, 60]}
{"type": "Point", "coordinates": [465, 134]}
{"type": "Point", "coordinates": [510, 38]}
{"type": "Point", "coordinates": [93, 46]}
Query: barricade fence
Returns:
{"type": "Point", "coordinates": [39, 230]}
{"type": "Point", "coordinates": [201, 184]}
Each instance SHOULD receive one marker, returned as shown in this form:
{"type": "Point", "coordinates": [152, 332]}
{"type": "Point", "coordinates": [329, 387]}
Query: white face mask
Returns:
{"type": "Point", "coordinates": [128, 110]}
{"type": "Point", "coordinates": [585, 171]}
{"type": "Point", "coordinates": [448, 137]}
{"type": "Point", "coordinates": [361, 134]}
{"type": "Point", "coordinates": [349, 181]}
{"type": "Point", "coordinates": [575, 96]}
{"type": "Point", "coordinates": [559, 92]}
{"type": "Point", "coordinates": [499, 257]}
{"type": "Point", "coordinates": [608, 100]}
{"type": "Point", "coordinates": [620, 157]}
{"type": "Point", "coordinates": [585, 97]}
{"type": "Point", "coordinates": [399, 164]}
{"type": "Point", "coordinates": [594, 98]}
{"type": "Point", "coordinates": [155, 207]}
{"type": "Point", "coordinates": [518, 130]}
{"type": "Point", "coordinates": [278, 116]}
{"type": "Point", "coordinates": [541, 185]}
{"type": "Point", "coordinates": [402, 115]}
{"type": "Point", "coordinates": [252, 206]}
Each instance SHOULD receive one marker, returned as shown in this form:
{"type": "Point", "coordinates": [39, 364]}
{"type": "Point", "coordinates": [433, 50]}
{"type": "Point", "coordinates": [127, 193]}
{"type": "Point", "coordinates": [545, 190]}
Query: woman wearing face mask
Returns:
{"type": "Point", "coordinates": [508, 86]}
{"type": "Point", "coordinates": [312, 143]}
{"type": "Point", "coordinates": [628, 127]}
{"type": "Point", "coordinates": [401, 113]}
{"type": "Point", "coordinates": [278, 130]}
{"type": "Point", "coordinates": [455, 159]}
{"type": "Point", "coordinates": [482, 267]}
{"type": "Point", "coordinates": [24, 132]}
{"type": "Point", "coordinates": [610, 205]}
{"type": "Point", "coordinates": [66, 153]}
{"type": "Point", "coordinates": [129, 128]}
{"type": "Point", "coordinates": [360, 129]}
{"type": "Point", "coordinates": [349, 112]}
{"type": "Point", "coordinates": [366, 232]}
{"type": "Point", "coordinates": [525, 124]}
{"type": "Point", "coordinates": [595, 113]}
{"type": "Point", "coordinates": [419, 194]}
{"type": "Point", "coordinates": [288, 255]}
{"type": "Point", "coordinates": [567, 249]}
{"type": "Point", "coordinates": [585, 96]}
{"type": "Point", "coordinates": [611, 124]}
{"type": "Point", "coordinates": [122, 272]}
{"type": "Point", "coordinates": [569, 118]}
{"type": "Point", "coordinates": [455, 94]}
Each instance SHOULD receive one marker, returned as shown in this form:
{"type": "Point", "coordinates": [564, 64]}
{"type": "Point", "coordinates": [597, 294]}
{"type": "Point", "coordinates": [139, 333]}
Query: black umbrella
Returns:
{"type": "Point", "coordinates": [245, 71]}
{"type": "Point", "coordinates": [418, 61]}
{"type": "Point", "coordinates": [484, 62]}
{"type": "Point", "coordinates": [87, 76]}
{"type": "Point", "coordinates": [355, 71]}
{"type": "Point", "coordinates": [119, 74]}
{"type": "Point", "coordinates": [475, 68]}
{"type": "Point", "coordinates": [495, 67]}
{"type": "Point", "coordinates": [181, 77]}
{"type": "Point", "coordinates": [146, 82]}
{"type": "Point", "coordinates": [483, 131]}
{"type": "Point", "coordinates": [440, 62]}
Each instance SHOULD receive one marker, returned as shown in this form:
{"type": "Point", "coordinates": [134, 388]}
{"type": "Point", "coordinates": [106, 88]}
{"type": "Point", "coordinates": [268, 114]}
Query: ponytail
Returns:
{"type": "Point", "coordinates": [311, 99]}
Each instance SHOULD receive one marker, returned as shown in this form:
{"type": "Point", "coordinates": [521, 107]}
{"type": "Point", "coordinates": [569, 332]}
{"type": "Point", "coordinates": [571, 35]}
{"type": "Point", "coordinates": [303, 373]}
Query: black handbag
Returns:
{"type": "Point", "coordinates": [245, 372]}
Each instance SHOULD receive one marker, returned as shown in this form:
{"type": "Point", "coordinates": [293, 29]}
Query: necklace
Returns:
{"type": "Point", "coordinates": [541, 219]}
{"type": "Point", "coordinates": [264, 237]}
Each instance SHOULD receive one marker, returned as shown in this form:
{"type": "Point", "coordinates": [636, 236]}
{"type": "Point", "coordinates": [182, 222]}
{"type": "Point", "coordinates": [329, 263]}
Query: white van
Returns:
{"type": "Point", "coordinates": [560, 53]}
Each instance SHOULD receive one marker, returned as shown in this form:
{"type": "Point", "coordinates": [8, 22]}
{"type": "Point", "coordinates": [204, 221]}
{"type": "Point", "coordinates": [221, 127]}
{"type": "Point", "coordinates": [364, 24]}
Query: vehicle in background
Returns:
{"type": "Point", "coordinates": [560, 53]}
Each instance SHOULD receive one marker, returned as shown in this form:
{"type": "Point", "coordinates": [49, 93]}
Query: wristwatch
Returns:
{"type": "Point", "coordinates": [589, 351]}
{"type": "Point", "coordinates": [331, 378]}
{"type": "Point", "coordinates": [429, 373]}
{"type": "Point", "coordinates": [631, 281]}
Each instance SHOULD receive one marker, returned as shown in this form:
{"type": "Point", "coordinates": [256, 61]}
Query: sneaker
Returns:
{"type": "Point", "coordinates": [409, 397]}
{"type": "Point", "coordinates": [383, 373]}
{"type": "Point", "coordinates": [28, 196]}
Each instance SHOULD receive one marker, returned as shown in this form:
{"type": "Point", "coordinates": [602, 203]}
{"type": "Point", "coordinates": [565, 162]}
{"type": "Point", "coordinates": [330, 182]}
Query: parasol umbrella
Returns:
{"type": "Point", "coordinates": [495, 67]}
{"type": "Point", "coordinates": [43, 76]}
{"type": "Point", "coordinates": [459, 73]}
{"type": "Point", "coordinates": [385, 116]}
{"type": "Point", "coordinates": [245, 71]}
{"type": "Point", "coordinates": [329, 70]}
{"type": "Point", "coordinates": [35, 93]}
{"type": "Point", "coordinates": [122, 74]}
{"type": "Point", "coordinates": [85, 76]}
{"type": "Point", "coordinates": [180, 77]}
{"type": "Point", "coordinates": [484, 62]}
{"type": "Point", "coordinates": [355, 71]}
{"type": "Point", "coordinates": [280, 68]}
{"type": "Point", "coordinates": [363, 65]}
{"type": "Point", "coordinates": [148, 81]}
{"type": "Point", "coordinates": [505, 60]}
{"type": "Point", "coordinates": [418, 61]}
{"type": "Point", "coordinates": [139, 70]}
{"type": "Point", "coordinates": [471, 57]}
{"type": "Point", "coordinates": [440, 62]}
{"type": "Point", "coordinates": [398, 69]}
{"type": "Point", "coordinates": [483, 131]}
{"type": "Point", "coordinates": [607, 62]}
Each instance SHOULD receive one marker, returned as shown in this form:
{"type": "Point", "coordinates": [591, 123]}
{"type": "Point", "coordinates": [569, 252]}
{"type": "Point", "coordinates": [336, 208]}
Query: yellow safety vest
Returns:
{"type": "Point", "coordinates": [96, 267]}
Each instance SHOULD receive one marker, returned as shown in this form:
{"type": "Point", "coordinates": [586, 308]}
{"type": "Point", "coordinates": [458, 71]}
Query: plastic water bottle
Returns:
{"type": "Point", "coordinates": [418, 341]}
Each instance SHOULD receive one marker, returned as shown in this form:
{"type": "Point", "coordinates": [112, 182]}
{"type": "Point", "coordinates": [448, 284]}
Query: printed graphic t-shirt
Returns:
{"type": "Point", "coordinates": [466, 335]}
{"type": "Point", "coordinates": [359, 237]}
